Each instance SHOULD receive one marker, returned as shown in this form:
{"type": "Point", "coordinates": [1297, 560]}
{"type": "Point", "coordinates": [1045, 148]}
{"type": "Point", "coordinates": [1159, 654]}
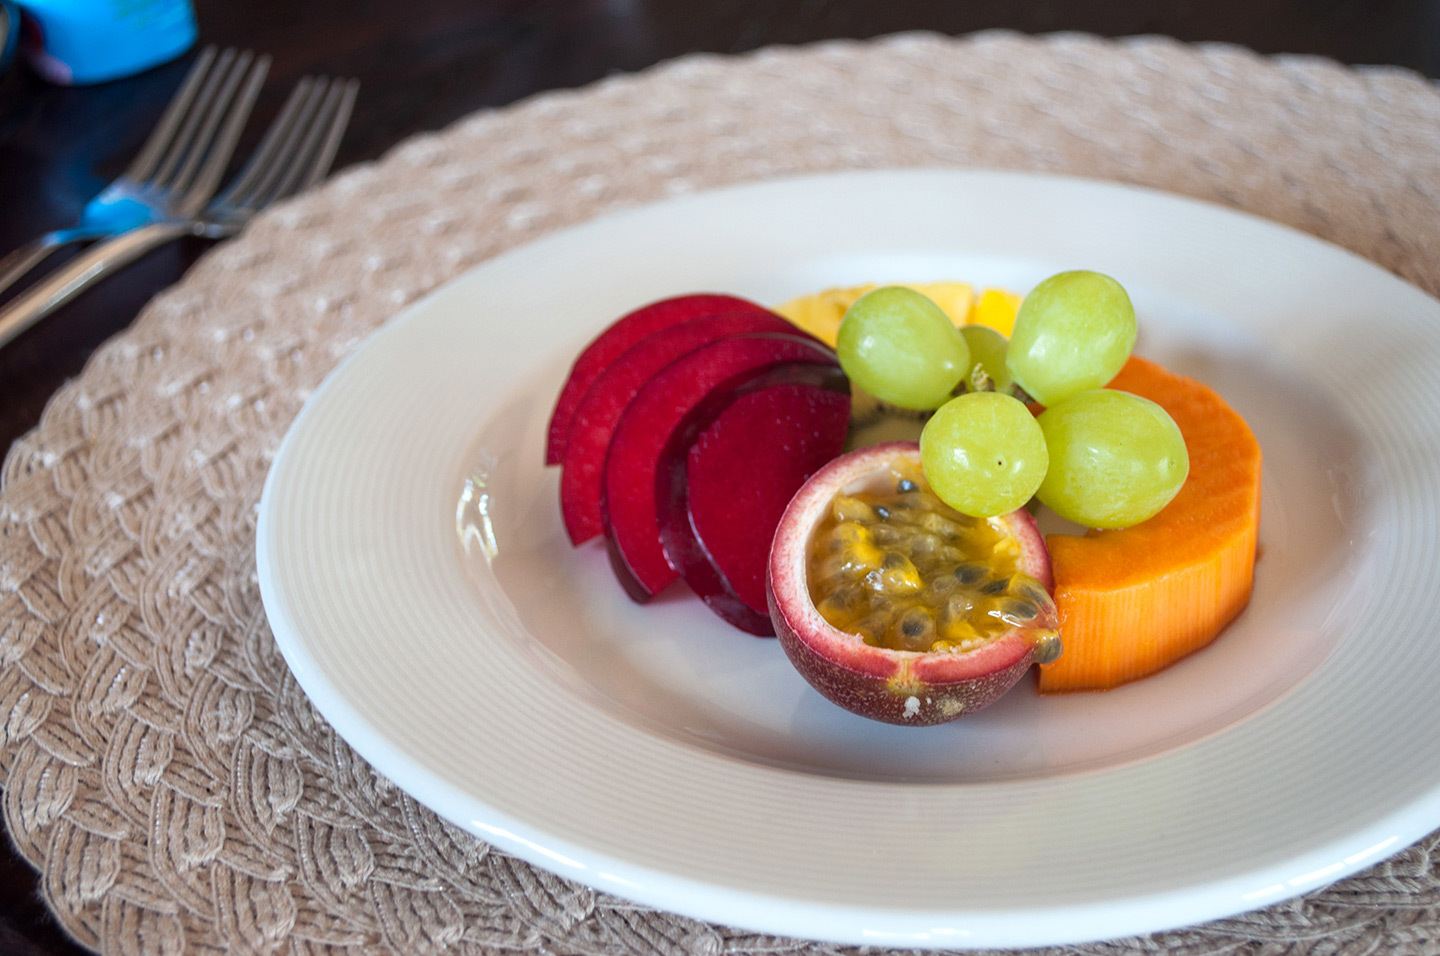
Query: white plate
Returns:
{"type": "Point", "coordinates": [417, 578]}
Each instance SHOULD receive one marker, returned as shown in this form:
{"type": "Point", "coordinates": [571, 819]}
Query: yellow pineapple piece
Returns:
{"type": "Point", "coordinates": [820, 313]}
{"type": "Point", "coordinates": [956, 299]}
{"type": "Point", "coordinates": [996, 308]}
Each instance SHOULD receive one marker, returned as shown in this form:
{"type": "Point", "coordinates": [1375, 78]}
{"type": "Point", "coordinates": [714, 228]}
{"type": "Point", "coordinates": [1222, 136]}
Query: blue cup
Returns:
{"type": "Point", "coordinates": [75, 42]}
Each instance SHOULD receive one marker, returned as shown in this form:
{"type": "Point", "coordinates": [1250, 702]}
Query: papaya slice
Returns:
{"type": "Point", "coordinates": [1135, 600]}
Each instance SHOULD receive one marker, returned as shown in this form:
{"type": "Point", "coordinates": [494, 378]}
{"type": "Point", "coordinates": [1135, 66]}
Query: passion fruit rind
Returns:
{"type": "Point", "coordinates": [899, 687]}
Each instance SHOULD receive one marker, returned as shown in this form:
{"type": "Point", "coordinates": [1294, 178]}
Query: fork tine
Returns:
{"type": "Point", "coordinates": [207, 177]}
{"type": "Point", "coordinates": [293, 136]}
{"type": "Point", "coordinates": [204, 100]}
{"type": "Point", "coordinates": [310, 150]}
{"type": "Point", "coordinates": [239, 193]}
{"type": "Point", "coordinates": [144, 162]}
{"type": "Point", "coordinates": [320, 165]}
{"type": "Point", "coordinates": [238, 96]}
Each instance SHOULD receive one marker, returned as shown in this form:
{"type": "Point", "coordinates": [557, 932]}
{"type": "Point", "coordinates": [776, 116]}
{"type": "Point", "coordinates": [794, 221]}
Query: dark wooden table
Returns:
{"type": "Point", "coordinates": [424, 64]}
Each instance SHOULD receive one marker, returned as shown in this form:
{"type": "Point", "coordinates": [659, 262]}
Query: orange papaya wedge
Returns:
{"type": "Point", "coordinates": [1135, 600]}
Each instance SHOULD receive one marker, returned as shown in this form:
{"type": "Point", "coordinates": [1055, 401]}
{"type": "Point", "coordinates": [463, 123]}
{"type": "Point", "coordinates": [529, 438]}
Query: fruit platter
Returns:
{"type": "Point", "coordinates": [711, 439]}
{"type": "Point", "coordinates": [1023, 526]}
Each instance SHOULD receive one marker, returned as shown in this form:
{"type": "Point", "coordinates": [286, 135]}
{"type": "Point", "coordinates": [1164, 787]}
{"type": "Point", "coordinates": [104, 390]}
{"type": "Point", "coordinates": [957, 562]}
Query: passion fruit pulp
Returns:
{"type": "Point", "coordinates": [898, 608]}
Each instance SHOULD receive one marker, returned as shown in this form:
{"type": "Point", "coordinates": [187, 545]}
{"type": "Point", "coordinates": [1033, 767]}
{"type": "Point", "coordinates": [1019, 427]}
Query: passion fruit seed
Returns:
{"type": "Point", "coordinates": [1048, 648]}
{"type": "Point", "coordinates": [848, 508]}
{"type": "Point", "coordinates": [907, 572]}
{"type": "Point", "coordinates": [1017, 612]}
{"type": "Point", "coordinates": [970, 573]}
{"type": "Point", "coordinates": [896, 575]}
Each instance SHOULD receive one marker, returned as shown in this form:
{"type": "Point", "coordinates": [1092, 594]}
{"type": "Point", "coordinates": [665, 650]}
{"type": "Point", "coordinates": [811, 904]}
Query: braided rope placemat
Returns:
{"type": "Point", "coordinates": [161, 767]}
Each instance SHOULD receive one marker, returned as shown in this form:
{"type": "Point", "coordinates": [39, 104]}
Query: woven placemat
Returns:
{"type": "Point", "coordinates": [162, 769]}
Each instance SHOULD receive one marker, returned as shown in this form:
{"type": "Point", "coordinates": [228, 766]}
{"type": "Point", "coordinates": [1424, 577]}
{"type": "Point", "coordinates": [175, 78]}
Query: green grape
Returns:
{"type": "Point", "coordinates": [983, 454]}
{"type": "Point", "coordinates": [1115, 458]}
{"type": "Point", "coordinates": [900, 347]}
{"type": "Point", "coordinates": [987, 352]}
{"type": "Point", "coordinates": [1073, 332]}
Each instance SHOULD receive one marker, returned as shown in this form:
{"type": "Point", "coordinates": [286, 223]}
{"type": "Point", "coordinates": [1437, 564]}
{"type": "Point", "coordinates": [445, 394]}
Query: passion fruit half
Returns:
{"type": "Point", "coordinates": [897, 607]}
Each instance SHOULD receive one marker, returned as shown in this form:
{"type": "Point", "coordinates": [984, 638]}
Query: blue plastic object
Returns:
{"type": "Point", "coordinates": [74, 42]}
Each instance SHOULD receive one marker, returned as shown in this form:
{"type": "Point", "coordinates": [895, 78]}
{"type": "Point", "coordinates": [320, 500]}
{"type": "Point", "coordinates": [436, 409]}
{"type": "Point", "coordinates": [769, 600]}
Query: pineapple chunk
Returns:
{"type": "Point", "coordinates": [996, 308]}
{"type": "Point", "coordinates": [820, 314]}
{"type": "Point", "coordinates": [955, 299]}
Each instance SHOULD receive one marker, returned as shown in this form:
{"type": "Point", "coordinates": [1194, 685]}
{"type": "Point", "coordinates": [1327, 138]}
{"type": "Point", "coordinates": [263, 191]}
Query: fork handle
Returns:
{"type": "Point", "coordinates": [20, 261]}
{"type": "Point", "coordinates": [79, 274]}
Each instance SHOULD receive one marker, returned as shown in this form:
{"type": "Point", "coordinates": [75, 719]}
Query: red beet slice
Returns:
{"type": "Point", "coordinates": [727, 491]}
{"type": "Point", "coordinates": [631, 506]}
{"type": "Point", "coordinates": [582, 479]}
{"type": "Point", "coordinates": [624, 333]}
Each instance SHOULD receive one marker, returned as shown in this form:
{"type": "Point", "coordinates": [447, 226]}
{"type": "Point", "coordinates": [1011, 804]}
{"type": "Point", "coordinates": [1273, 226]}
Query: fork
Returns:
{"type": "Point", "coordinates": [294, 154]}
{"type": "Point", "coordinates": [179, 166]}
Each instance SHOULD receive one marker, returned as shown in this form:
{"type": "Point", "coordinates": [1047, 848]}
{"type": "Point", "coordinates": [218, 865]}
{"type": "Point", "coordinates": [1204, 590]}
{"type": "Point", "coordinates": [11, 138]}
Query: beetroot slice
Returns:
{"type": "Point", "coordinates": [723, 495]}
{"type": "Point", "coordinates": [619, 337]}
{"type": "Point", "coordinates": [630, 506]}
{"type": "Point", "coordinates": [582, 478]}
